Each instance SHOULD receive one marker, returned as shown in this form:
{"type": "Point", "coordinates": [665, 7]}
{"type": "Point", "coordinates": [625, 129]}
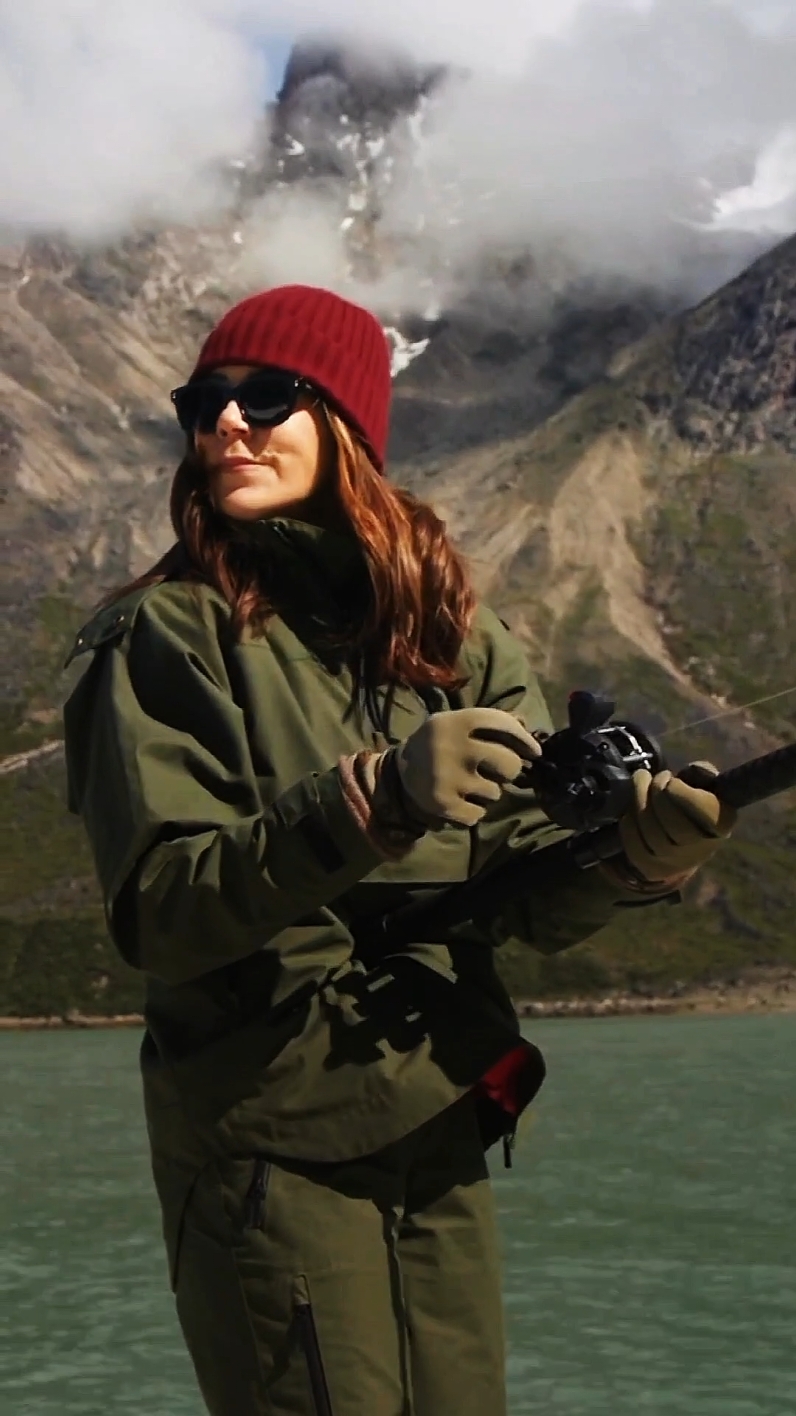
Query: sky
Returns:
{"type": "Point", "coordinates": [588, 117]}
{"type": "Point", "coordinates": [276, 52]}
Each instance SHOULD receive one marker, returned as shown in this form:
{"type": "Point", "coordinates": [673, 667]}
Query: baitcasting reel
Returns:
{"type": "Point", "coordinates": [583, 782]}
{"type": "Point", "coordinates": [583, 778]}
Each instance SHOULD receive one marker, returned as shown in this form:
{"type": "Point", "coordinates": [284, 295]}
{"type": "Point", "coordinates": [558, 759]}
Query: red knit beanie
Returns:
{"type": "Point", "coordinates": [337, 345]}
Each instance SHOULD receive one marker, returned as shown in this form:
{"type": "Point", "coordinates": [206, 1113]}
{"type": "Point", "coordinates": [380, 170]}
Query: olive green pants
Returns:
{"type": "Point", "coordinates": [368, 1287]}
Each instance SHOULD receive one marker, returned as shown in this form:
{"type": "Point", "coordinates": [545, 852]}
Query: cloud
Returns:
{"type": "Point", "coordinates": [618, 130]}
{"type": "Point", "coordinates": [768, 202]}
{"type": "Point", "coordinates": [592, 127]}
{"type": "Point", "coordinates": [496, 36]}
{"type": "Point", "coordinates": [113, 111]}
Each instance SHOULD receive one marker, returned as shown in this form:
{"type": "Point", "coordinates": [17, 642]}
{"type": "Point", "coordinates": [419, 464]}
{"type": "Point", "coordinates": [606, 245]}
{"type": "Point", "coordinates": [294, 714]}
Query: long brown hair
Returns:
{"type": "Point", "coordinates": [421, 604]}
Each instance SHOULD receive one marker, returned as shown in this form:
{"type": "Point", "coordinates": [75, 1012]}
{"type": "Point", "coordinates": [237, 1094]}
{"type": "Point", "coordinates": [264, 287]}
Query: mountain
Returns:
{"type": "Point", "coordinates": [620, 472]}
{"type": "Point", "coordinates": [667, 487]}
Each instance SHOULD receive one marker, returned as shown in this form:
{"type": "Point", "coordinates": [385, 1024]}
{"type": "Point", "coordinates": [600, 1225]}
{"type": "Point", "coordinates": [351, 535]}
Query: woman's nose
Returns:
{"type": "Point", "coordinates": [231, 421]}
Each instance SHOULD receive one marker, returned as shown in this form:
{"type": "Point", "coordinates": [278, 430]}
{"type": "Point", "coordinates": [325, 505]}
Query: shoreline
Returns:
{"type": "Point", "coordinates": [767, 990]}
{"type": "Point", "coordinates": [762, 997]}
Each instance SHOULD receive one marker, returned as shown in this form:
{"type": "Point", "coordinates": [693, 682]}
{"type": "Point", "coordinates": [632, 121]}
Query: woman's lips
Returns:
{"type": "Point", "coordinates": [243, 468]}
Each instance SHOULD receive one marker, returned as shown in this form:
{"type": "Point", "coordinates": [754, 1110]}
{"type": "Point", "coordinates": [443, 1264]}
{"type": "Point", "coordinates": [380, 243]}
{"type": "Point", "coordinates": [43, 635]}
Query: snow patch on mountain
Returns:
{"type": "Point", "coordinates": [404, 351]}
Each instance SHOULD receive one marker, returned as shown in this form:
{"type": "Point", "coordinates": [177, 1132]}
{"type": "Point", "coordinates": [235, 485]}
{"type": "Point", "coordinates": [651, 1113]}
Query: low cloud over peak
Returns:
{"type": "Point", "coordinates": [610, 127]}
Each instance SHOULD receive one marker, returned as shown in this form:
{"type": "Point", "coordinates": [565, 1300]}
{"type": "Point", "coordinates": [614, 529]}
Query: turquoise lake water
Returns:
{"type": "Point", "coordinates": [649, 1227]}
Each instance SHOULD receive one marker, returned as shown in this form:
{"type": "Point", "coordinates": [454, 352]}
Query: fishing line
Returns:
{"type": "Point", "coordinates": [728, 712]}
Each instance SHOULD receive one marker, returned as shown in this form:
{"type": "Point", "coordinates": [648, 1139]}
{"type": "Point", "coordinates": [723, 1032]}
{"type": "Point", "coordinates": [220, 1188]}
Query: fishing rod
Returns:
{"type": "Point", "coordinates": [583, 782]}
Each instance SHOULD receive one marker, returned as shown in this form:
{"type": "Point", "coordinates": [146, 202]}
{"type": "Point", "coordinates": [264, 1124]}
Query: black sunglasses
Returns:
{"type": "Point", "coordinates": [265, 397]}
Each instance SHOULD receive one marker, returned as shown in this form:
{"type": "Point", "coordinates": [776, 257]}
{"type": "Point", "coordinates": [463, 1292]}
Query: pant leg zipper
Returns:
{"type": "Point", "coordinates": [509, 1142]}
{"type": "Point", "coordinates": [254, 1203]}
{"type": "Point", "coordinates": [308, 1336]}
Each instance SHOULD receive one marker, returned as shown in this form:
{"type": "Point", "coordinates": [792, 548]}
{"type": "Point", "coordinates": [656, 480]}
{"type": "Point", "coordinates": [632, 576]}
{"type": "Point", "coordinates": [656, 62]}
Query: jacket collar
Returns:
{"type": "Point", "coordinates": [309, 568]}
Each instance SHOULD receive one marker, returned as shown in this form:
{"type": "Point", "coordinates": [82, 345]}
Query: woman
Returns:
{"type": "Point", "coordinates": [295, 719]}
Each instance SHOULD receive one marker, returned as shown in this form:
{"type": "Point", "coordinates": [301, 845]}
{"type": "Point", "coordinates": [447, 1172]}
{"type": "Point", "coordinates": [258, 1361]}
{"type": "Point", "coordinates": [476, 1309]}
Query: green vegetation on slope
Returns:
{"type": "Point", "coordinates": [37, 650]}
{"type": "Point", "coordinates": [55, 955]}
{"type": "Point", "coordinates": [720, 553]}
{"type": "Point", "coordinates": [56, 963]}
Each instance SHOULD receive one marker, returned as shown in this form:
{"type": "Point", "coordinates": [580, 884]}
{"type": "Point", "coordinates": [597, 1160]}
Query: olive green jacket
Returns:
{"type": "Point", "coordinates": [204, 766]}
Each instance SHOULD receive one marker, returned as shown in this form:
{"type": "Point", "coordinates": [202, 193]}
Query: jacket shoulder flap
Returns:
{"type": "Point", "coordinates": [107, 624]}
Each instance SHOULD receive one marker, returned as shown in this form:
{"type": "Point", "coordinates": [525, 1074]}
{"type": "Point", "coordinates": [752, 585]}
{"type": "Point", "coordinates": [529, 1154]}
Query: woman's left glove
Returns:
{"type": "Point", "coordinates": [673, 828]}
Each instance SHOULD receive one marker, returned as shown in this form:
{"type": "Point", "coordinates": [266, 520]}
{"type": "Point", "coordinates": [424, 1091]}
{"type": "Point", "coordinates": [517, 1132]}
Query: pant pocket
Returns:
{"type": "Point", "coordinates": [307, 1335]}
{"type": "Point", "coordinates": [213, 1305]}
{"type": "Point", "coordinates": [175, 1187]}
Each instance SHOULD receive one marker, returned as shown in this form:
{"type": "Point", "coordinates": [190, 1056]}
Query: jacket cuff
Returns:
{"type": "Point", "coordinates": [619, 872]}
{"type": "Point", "coordinates": [373, 808]}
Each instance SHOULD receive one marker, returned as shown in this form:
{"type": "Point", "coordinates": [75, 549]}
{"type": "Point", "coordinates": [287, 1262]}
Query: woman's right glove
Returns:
{"type": "Point", "coordinates": [456, 764]}
{"type": "Point", "coordinates": [673, 828]}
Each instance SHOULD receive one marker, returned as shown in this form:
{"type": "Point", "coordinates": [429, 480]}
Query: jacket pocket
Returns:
{"type": "Point", "coordinates": [307, 1334]}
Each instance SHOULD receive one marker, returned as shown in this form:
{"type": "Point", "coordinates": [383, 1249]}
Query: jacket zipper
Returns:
{"type": "Point", "coordinates": [254, 1203]}
{"type": "Point", "coordinates": [308, 1336]}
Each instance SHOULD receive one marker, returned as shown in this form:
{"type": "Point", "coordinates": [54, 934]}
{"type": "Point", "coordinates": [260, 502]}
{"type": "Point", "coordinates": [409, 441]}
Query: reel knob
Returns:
{"type": "Point", "coordinates": [588, 711]}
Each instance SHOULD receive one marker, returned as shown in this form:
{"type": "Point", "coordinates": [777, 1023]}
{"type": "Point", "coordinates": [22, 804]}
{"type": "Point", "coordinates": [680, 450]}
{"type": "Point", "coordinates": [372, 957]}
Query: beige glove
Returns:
{"type": "Point", "coordinates": [673, 828]}
{"type": "Point", "coordinates": [455, 765]}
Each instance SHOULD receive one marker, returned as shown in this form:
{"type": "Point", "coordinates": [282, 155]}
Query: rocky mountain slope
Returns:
{"type": "Point", "coordinates": [668, 487]}
{"type": "Point", "coordinates": [620, 474]}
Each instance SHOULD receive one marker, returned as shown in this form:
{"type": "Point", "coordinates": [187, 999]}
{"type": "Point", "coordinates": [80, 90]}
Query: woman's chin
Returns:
{"type": "Point", "coordinates": [240, 506]}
